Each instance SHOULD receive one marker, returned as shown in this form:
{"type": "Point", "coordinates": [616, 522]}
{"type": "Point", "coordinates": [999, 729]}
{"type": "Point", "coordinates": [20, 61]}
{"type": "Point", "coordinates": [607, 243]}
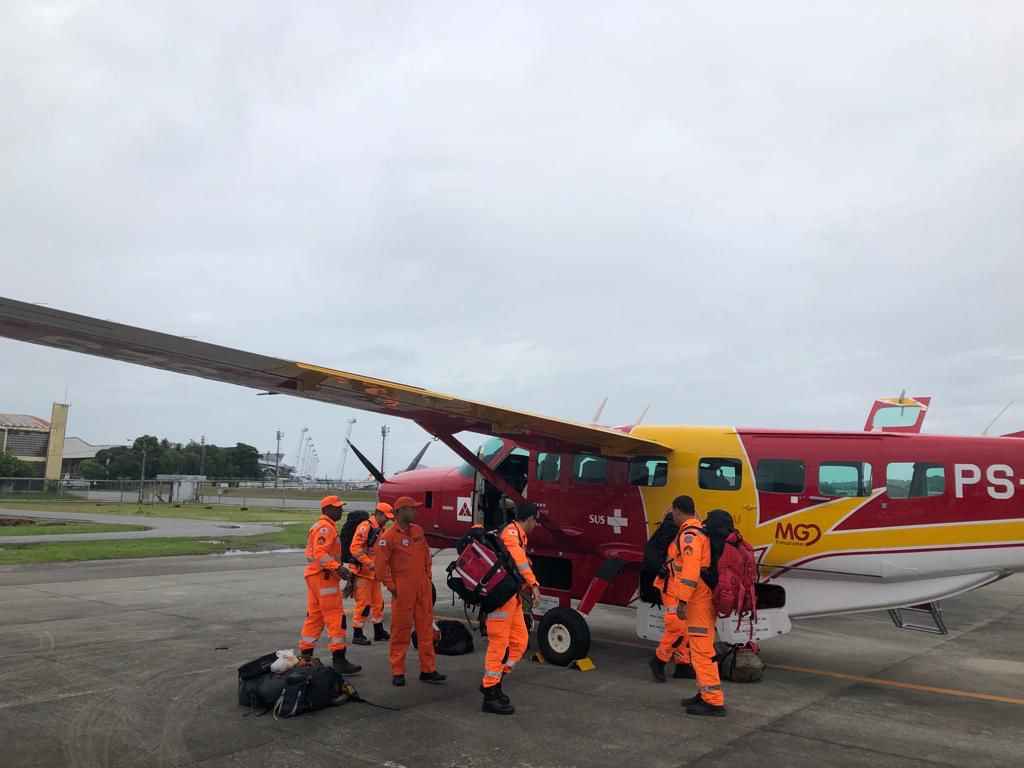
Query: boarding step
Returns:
{"type": "Point", "coordinates": [904, 618]}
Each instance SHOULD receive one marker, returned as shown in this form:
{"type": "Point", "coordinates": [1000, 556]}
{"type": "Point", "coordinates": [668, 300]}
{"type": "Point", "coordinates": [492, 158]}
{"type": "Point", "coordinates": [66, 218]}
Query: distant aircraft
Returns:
{"type": "Point", "coordinates": [883, 518]}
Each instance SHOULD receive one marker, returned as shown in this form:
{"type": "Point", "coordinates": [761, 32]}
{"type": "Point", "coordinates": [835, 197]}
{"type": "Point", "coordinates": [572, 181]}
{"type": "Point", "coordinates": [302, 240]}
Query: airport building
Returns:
{"type": "Point", "coordinates": [41, 442]}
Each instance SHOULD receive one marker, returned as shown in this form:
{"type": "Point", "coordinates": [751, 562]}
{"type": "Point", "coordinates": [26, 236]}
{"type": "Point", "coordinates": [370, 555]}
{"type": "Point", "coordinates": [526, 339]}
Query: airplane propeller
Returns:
{"type": "Point", "coordinates": [375, 472]}
{"type": "Point", "coordinates": [370, 466]}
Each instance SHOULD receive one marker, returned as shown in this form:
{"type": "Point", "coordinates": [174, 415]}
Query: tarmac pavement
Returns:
{"type": "Point", "coordinates": [132, 663]}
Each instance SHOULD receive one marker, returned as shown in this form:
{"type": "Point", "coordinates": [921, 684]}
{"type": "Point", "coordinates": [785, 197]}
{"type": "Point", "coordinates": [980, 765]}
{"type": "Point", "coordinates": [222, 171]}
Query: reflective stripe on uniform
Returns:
{"type": "Point", "coordinates": [523, 566]}
{"type": "Point", "coordinates": [710, 688]}
{"type": "Point", "coordinates": [498, 615]}
{"type": "Point", "coordinates": [307, 639]}
{"type": "Point", "coordinates": [689, 583]}
{"type": "Point", "coordinates": [337, 640]}
{"type": "Point", "coordinates": [324, 559]}
{"type": "Point", "coordinates": [492, 674]}
{"type": "Point", "coordinates": [697, 630]}
{"type": "Point", "coordinates": [329, 591]}
{"type": "Point", "coordinates": [511, 665]}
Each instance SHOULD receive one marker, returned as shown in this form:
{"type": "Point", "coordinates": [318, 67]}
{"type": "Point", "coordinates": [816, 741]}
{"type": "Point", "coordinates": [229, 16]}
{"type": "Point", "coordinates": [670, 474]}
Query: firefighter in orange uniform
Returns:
{"type": "Point", "coordinates": [507, 637]}
{"type": "Point", "coordinates": [674, 646]}
{"type": "Point", "coordinates": [695, 607]}
{"type": "Point", "coordinates": [402, 563]}
{"type": "Point", "coordinates": [324, 576]}
{"type": "Point", "coordinates": [369, 597]}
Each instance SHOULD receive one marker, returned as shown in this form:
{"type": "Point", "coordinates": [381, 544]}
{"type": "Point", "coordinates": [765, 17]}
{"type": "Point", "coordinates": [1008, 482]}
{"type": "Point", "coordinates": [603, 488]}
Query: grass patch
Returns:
{"type": "Point", "coordinates": [226, 512]}
{"type": "Point", "coordinates": [291, 536]}
{"type": "Point", "coordinates": [53, 527]}
{"type": "Point", "coordinates": [289, 493]}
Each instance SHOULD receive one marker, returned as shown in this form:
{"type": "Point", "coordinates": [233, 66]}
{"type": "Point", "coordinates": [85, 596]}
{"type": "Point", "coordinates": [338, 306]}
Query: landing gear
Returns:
{"type": "Point", "coordinates": [563, 636]}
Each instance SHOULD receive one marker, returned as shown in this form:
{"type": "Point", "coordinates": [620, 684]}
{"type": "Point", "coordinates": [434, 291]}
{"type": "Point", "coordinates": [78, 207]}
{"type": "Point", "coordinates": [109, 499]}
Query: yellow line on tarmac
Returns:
{"type": "Point", "coordinates": [898, 684]}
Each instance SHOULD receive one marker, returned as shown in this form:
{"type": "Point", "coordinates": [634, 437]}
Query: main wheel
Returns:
{"type": "Point", "coordinates": [433, 594]}
{"type": "Point", "coordinates": [563, 636]}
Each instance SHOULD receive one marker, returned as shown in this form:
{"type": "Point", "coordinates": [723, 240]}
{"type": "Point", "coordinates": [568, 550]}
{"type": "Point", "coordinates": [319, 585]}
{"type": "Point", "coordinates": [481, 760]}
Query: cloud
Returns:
{"type": "Point", "coordinates": [765, 217]}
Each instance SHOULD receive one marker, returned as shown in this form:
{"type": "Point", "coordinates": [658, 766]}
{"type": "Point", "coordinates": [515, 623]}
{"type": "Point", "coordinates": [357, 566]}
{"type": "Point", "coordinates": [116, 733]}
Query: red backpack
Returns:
{"type": "Point", "coordinates": [737, 575]}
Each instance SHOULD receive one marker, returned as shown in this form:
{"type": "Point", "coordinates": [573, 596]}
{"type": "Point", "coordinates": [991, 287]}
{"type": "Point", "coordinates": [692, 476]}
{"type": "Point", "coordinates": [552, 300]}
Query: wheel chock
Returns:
{"type": "Point", "coordinates": [586, 664]}
{"type": "Point", "coordinates": [537, 658]}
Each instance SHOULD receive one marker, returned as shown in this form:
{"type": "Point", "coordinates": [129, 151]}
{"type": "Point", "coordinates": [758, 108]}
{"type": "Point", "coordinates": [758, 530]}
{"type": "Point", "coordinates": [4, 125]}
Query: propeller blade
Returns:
{"type": "Point", "coordinates": [600, 410]}
{"type": "Point", "coordinates": [643, 415]}
{"type": "Point", "coordinates": [370, 467]}
{"type": "Point", "coordinates": [417, 458]}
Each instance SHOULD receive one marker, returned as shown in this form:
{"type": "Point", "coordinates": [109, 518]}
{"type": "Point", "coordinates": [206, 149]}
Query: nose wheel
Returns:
{"type": "Point", "coordinates": [563, 636]}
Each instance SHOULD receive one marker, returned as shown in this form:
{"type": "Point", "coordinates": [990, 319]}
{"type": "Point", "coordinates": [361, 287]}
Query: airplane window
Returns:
{"type": "Point", "coordinates": [844, 478]}
{"type": "Point", "coordinates": [780, 475]}
{"type": "Point", "coordinates": [548, 467]}
{"type": "Point", "coordinates": [590, 469]}
{"type": "Point", "coordinates": [896, 416]}
{"type": "Point", "coordinates": [487, 452]}
{"type": "Point", "coordinates": [914, 480]}
{"type": "Point", "coordinates": [720, 474]}
{"type": "Point", "coordinates": [648, 471]}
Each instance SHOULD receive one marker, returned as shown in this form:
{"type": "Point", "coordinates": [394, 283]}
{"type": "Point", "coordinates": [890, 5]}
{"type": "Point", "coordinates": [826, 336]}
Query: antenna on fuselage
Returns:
{"type": "Point", "coordinates": [998, 416]}
{"type": "Point", "coordinates": [643, 415]}
{"type": "Point", "coordinates": [600, 410]}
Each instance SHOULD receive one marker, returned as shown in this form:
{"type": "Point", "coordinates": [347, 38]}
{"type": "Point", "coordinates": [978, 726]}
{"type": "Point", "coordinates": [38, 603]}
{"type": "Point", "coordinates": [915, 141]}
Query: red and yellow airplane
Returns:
{"type": "Point", "coordinates": [884, 518]}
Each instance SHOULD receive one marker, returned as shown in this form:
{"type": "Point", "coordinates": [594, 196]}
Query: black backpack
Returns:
{"type": "Point", "coordinates": [655, 555]}
{"type": "Point", "coordinates": [498, 595]}
{"type": "Point", "coordinates": [348, 530]}
{"type": "Point", "coordinates": [455, 638]}
{"type": "Point", "coordinates": [258, 687]}
{"type": "Point", "coordinates": [307, 688]}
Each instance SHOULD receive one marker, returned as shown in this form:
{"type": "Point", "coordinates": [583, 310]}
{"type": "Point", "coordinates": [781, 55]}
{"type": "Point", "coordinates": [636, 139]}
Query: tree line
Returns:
{"type": "Point", "coordinates": [166, 458]}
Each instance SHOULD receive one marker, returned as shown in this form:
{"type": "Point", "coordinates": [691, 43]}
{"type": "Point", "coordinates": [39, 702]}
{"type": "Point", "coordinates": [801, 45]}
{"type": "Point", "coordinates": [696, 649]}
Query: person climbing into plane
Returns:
{"type": "Point", "coordinates": [673, 647]}
{"type": "Point", "coordinates": [507, 636]}
{"type": "Point", "coordinates": [369, 597]}
{"type": "Point", "coordinates": [324, 574]}
{"type": "Point", "coordinates": [695, 608]}
{"type": "Point", "coordinates": [402, 563]}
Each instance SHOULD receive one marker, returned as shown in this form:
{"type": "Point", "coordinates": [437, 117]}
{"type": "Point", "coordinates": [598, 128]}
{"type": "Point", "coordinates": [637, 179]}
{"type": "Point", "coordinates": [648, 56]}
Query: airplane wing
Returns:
{"type": "Point", "coordinates": [434, 411]}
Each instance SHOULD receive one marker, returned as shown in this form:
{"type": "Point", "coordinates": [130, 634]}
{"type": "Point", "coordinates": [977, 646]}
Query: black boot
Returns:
{"type": "Point", "coordinates": [494, 704]}
{"type": "Point", "coordinates": [684, 672]}
{"type": "Point", "coordinates": [657, 669]}
{"type": "Point", "coordinates": [379, 633]}
{"type": "Point", "coordinates": [691, 700]}
{"type": "Point", "coordinates": [501, 693]}
{"type": "Point", "coordinates": [701, 707]}
{"type": "Point", "coordinates": [358, 638]}
{"type": "Point", "coordinates": [306, 654]}
{"type": "Point", "coordinates": [432, 677]}
{"type": "Point", "coordinates": [344, 666]}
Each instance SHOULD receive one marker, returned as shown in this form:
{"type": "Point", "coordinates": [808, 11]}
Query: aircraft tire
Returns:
{"type": "Point", "coordinates": [433, 594]}
{"type": "Point", "coordinates": [563, 636]}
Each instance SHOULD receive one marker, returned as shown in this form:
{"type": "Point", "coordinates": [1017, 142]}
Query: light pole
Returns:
{"type": "Point", "coordinates": [383, 439]}
{"type": "Point", "coordinates": [277, 457]}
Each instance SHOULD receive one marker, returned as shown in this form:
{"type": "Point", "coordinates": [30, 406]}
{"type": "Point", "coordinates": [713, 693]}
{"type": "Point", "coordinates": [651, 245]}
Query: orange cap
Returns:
{"type": "Point", "coordinates": [385, 509]}
{"type": "Point", "coordinates": [331, 501]}
{"type": "Point", "coordinates": [406, 501]}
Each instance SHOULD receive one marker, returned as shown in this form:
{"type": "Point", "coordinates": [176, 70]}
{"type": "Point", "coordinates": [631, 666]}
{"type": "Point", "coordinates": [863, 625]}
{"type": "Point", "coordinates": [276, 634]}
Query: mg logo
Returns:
{"type": "Point", "coordinates": [802, 534]}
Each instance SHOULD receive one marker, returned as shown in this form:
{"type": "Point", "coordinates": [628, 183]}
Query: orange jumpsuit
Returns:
{"type": "Point", "coordinates": [402, 563]}
{"type": "Point", "coordinates": [507, 637]}
{"type": "Point", "coordinates": [323, 587]}
{"type": "Point", "coordinates": [369, 596]}
{"type": "Point", "coordinates": [674, 646]}
{"type": "Point", "coordinates": [692, 551]}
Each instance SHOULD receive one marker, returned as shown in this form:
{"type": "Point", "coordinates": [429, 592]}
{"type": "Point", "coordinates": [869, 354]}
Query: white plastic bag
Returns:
{"type": "Point", "coordinates": [285, 661]}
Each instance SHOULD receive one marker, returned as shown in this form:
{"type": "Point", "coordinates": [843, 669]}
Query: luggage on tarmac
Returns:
{"type": "Point", "coordinates": [309, 687]}
{"type": "Point", "coordinates": [451, 638]}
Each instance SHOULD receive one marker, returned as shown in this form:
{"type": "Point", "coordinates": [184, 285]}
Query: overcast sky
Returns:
{"type": "Point", "coordinates": [764, 215]}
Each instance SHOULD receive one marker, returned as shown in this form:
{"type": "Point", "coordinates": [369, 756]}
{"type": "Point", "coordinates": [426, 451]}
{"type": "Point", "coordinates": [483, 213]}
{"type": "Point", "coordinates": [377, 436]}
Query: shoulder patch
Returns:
{"type": "Point", "coordinates": [688, 538]}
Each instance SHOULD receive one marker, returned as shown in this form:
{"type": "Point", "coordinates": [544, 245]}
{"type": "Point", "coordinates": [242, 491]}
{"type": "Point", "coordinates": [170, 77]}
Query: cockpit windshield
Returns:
{"type": "Point", "coordinates": [491, 448]}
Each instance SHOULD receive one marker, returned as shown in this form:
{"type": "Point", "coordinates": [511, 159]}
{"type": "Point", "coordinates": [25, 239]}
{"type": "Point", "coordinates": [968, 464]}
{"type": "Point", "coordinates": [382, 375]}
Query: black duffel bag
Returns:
{"type": "Point", "coordinates": [455, 639]}
{"type": "Point", "coordinates": [309, 687]}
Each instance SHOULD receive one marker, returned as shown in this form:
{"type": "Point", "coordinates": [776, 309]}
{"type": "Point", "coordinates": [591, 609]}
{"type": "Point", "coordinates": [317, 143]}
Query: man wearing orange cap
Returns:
{"type": "Point", "coordinates": [369, 597]}
{"type": "Point", "coordinates": [324, 574]}
{"type": "Point", "coordinates": [402, 562]}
